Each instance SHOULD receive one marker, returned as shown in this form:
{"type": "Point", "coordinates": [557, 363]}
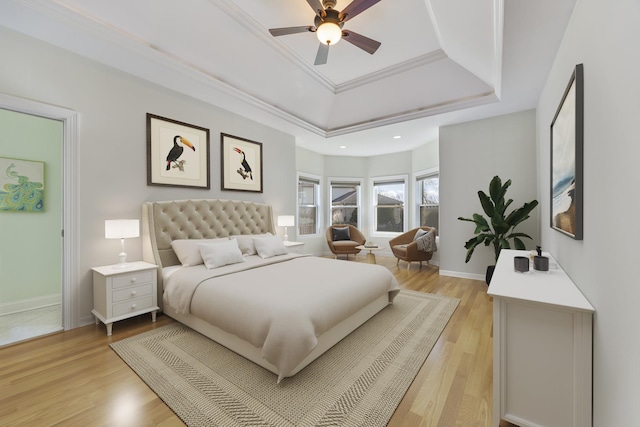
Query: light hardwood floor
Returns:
{"type": "Point", "coordinates": [74, 379]}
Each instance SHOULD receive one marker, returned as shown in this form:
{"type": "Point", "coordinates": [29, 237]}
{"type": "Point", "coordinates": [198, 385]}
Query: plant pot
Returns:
{"type": "Point", "coordinates": [489, 274]}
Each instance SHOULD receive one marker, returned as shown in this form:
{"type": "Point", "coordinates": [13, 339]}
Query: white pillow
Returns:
{"type": "Point", "coordinates": [221, 253]}
{"type": "Point", "coordinates": [188, 252]}
{"type": "Point", "coordinates": [419, 234]}
{"type": "Point", "coordinates": [245, 242]}
{"type": "Point", "coordinates": [269, 246]}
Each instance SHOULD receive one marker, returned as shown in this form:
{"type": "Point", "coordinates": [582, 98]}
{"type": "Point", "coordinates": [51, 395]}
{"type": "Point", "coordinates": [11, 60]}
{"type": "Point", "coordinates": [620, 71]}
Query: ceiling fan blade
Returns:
{"type": "Point", "coordinates": [315, 5]}
{"type": "Point", "coordinates": [364, 43]}
{"type": "Point", "coordinates": [289, 30]}
{"type": "Point", "coordinates": [355, 8]}
{"type": "Point", "coordinates": [323, 53]}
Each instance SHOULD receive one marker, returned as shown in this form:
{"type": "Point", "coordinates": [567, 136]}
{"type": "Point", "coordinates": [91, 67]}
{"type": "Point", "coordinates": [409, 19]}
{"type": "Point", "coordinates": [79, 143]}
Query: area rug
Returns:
{"type": "Point", "coordinates": [358, 382]}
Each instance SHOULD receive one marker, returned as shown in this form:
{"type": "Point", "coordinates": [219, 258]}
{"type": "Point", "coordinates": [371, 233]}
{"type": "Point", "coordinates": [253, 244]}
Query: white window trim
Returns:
{"type": "Point", "coordinates": [372, 207]}
{"type": "Point", "coordinates": [360, 182]}
{"type": "Point", "coordinates": [319, 219]}
{"type": "Point", "coordinates": [417, 197]}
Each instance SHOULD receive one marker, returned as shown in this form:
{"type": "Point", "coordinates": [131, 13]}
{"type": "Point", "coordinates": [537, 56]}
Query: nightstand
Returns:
{"type": "Point", "coordinates": [294, 247]}
{"type": "Point", "coordinates": [120, 293]}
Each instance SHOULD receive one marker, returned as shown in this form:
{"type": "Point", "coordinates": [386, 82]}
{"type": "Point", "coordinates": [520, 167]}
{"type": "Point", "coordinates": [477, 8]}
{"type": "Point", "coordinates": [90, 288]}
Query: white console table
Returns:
{"type": "Point", "coordinates": [542, 347]}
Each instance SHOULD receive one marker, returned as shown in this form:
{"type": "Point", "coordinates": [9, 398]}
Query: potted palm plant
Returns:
{"type": "Point", "coordinates": [499, 229]}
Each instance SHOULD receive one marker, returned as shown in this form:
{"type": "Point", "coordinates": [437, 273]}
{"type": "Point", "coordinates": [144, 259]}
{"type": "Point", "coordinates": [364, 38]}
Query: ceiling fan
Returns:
{"type": "Point", "coordinates": [328, 25]}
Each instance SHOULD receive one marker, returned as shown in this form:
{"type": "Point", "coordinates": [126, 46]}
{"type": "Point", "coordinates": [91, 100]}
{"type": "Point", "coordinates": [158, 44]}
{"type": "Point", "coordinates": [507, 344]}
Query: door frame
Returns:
{"type": "Point", "coordinates": [70, 190]}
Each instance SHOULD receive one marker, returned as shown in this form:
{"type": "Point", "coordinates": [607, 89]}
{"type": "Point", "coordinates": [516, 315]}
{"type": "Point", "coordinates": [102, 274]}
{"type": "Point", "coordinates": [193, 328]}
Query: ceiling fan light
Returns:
{"type": "Point", "coordinates": [329, 33]}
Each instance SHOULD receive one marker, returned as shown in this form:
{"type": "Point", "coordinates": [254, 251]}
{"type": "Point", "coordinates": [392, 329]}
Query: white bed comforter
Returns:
{"type": "Point", "coordinates": [280, 304]}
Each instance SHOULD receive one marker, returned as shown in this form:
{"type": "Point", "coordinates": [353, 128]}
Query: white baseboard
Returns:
{"type": "Point", "coordinates": [462, 275]}
{"type": "Point", "coordinates": [30, 304]}
{"type": "Point", "coordinates": [87, 320]}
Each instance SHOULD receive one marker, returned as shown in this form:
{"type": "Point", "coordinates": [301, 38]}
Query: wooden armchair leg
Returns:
{"type": "Point", "coordinates": [408, 265]}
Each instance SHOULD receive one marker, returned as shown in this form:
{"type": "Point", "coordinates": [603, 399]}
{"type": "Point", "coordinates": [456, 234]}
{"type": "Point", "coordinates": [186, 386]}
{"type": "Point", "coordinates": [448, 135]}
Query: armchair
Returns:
{"type": "Point", "coordinates": [348, 244]}
{"type": "Point", "coordinates": [405, 248]}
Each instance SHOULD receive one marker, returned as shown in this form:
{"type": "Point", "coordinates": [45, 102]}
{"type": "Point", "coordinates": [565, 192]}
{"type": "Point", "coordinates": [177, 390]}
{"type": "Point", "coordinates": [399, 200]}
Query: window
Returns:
{"type": "Point", "coordinates": [308, 196]}
{"type": "Point", "coordinates": [345, 202]}
{"type": "Point", "coordinates": [428, 199]}
{"type": "Point", "coordinates": [388, 200]}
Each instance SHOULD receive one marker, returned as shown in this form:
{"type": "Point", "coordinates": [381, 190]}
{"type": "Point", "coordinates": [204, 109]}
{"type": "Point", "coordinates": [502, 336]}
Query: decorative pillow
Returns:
{"type": "Point", "coordinates": [341, 233]}
{"type": "Point", "coordinates": [221, 253]}
{"type": "Point", "coordinates": [188, 252]}
{"type": "Point", "coordinates": [269, 246]}
{"type": "Point", "coordinates": [419, 234]}
{"type": "Point", "coordinates": [245, 242]}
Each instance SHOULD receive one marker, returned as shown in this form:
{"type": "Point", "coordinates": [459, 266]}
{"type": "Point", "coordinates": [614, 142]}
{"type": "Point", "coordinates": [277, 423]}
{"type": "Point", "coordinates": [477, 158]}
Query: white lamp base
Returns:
{"type": "Point", "coordinates": [122, 256]}
{"type": "Point", "coordinates": [123, 261]}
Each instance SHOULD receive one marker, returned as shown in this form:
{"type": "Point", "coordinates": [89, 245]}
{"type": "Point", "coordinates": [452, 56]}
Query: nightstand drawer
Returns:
{"type": "Point", "coordinates": [132, 292]}
{"type": "Point", "coordinates": [135, 278]}
{"type": "Point", "coordinates": [132, 306]}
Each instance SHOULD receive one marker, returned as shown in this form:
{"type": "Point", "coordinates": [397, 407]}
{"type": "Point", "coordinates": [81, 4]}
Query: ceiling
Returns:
{"type": "Point", "coordinates": [440, 61]}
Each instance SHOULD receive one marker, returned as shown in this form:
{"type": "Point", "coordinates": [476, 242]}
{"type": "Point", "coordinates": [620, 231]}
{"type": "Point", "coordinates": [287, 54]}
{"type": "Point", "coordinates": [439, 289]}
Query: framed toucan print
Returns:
{"type": "Point", "coordinates": [177, 153]}
{"type": "Point", "coordinates": [241, 164]}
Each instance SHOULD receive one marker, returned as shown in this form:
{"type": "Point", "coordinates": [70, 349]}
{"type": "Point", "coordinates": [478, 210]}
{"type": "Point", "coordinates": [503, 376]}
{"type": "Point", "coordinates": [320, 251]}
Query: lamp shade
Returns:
{"type": "Point", "coordinates": [121, 228]}
{"type": "Point", "coordinates": [286, 220]}
{"type": "Point", "coordinates": [329, 33]}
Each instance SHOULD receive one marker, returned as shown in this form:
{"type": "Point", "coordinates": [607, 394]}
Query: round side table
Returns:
{"type": "Point", "coordinates": [371, 257]}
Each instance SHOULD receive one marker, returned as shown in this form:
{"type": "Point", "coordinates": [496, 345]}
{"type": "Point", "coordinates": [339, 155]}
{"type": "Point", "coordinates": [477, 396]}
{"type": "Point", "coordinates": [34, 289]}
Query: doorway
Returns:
{"type": "Point", "coordinates": [31, 217]}
{"type": "Point", "coordinates": [36, 283]}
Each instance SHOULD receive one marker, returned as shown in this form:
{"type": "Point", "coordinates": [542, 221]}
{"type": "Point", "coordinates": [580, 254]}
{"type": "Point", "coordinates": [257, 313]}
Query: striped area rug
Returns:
{"type": "Point", "coordinates": [358, 382]}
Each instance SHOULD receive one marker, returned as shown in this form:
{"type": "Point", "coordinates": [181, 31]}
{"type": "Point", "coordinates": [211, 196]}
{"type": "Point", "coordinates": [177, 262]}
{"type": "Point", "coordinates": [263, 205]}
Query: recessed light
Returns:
{"type": "Point", "coordinates": [343, 146]}
{"type": "Point", "coordinates": [397, 137]}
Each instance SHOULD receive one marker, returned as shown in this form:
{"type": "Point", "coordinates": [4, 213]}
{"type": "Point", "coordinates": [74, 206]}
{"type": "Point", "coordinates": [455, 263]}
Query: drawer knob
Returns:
{"type": "Point", "coordinates": [133, 293]}
{"type": "Point", "coordinates": [133, 306]}
{"type": "Point", "coordinates": [133, 280]}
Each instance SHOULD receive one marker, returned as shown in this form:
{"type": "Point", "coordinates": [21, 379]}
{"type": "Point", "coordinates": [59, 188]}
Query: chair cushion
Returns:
{"type": "Point", "coordinates": [346, 246]}
{"type": "Point", "coordinates": [400, 250]}
{"type": "Point", "coordinates": [341, 233]}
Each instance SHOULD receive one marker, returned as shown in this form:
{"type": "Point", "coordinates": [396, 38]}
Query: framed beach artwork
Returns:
{"type": "Point", "coordinates": [241, 164]}
{"type": "Point", "coordinates": [567, 159]}
{"type": "Point", "coordinates": [177, 153]}
{"type": "Point", "coordinates": [21, 185]}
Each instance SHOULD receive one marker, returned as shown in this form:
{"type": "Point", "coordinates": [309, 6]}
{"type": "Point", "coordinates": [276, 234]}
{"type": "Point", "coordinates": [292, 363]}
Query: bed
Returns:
{"type": "Point", "coordinates": [277, 309]}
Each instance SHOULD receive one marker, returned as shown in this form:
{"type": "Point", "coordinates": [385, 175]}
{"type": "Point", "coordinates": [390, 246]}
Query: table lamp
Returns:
{"type": "Point", "coordinates": [286, 221]}
{"type": "Point", "coordinates": [121, 229]}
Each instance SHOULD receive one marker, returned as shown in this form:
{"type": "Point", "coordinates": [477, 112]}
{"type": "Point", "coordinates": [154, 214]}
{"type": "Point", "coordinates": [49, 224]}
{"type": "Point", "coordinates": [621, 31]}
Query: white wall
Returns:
{"type": "Point", "coordinates": [112, 139]}
{"type": "Point", "coordinates": [425, 157]}
{"type": "Point", "coordinates": [471, 154]}
{"type": "Point", "coordinates": [605, 39]}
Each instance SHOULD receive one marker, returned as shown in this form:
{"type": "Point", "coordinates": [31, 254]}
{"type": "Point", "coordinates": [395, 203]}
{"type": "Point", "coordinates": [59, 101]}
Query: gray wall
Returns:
{"type": "Point", "coordinates": [112, 144]}
{"type": "Point", "coordinates": [471, 154]}
{"type": "Point", "coordinates": [603, 265]}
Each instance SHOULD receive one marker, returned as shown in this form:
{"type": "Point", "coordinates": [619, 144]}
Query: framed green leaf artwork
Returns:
{"type": "Point", "coordinates": [21, 185]}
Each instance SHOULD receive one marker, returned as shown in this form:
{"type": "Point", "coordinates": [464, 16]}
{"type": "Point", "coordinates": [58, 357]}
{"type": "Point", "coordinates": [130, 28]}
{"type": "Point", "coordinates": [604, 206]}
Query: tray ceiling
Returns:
{"type": "Point", "coordinates": [440, 61]}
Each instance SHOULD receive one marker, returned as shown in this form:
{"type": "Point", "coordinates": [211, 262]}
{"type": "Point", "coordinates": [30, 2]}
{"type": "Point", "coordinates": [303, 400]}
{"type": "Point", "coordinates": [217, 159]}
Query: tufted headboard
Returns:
{"type": "Point", "coordinates": [163, 222]}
